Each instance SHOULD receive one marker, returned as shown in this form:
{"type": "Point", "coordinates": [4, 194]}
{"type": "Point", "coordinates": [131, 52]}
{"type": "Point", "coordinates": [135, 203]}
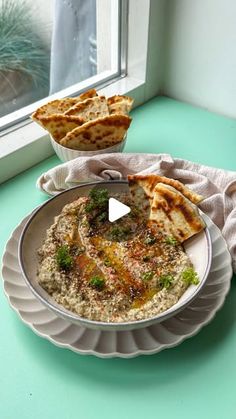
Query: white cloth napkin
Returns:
{"type": "Point", "coordinates": [217, 185]}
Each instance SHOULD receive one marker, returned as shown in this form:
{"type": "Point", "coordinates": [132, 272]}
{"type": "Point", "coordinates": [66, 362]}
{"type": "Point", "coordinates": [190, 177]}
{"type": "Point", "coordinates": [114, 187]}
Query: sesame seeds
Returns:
{"type": "Point", "coordinates": [128, 266]}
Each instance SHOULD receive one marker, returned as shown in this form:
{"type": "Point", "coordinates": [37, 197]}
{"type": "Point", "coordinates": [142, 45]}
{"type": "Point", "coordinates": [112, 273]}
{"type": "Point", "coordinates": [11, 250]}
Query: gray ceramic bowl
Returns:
{"type": "Point", "coordinates": [66, 154]}
{"type": "Point", "coordinates": [198, 248]}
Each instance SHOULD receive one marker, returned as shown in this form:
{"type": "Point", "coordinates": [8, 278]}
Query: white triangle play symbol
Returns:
{"type": "Point", "coordinates": [116, 209]}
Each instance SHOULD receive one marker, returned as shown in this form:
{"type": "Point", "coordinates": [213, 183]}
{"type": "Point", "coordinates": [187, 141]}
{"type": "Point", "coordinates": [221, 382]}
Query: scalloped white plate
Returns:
{"type": "Point", "coordinates": [199, 249]}
{"type": "Point", "coordinates": [124, 344]}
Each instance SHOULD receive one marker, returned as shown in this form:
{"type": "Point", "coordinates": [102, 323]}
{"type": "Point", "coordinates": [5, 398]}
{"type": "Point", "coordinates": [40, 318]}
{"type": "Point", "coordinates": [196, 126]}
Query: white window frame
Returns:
{"type": "Point", "coordinates": [29, 144]}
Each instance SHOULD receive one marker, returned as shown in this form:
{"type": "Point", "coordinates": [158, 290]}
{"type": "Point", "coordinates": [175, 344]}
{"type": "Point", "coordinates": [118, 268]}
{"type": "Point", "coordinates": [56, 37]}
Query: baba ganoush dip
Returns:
{"type": "Point", "coordinates": [111, 272]}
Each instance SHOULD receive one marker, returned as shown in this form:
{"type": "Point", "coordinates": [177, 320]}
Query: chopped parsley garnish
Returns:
{"type": "Point", "coordinates": [171, 240]}
{"type": "Point", "coordinates": [150, 240]}
{"type": "Point", "coordinates": [97, 206]}
{"type": "Point", "coordinates": [190, 276]}
{"type": "Point", "coordinates": [147, 276]}
{"type": "Point", "coordinates": [165, 281]}
{"type": "Point", "coordinates": [98, 200]}
{"type": "Point", "coordinates": [63, 258]}
{"type": "Point", "coordinates": [97, 282]}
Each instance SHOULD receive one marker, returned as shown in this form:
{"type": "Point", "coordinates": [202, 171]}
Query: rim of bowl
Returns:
{"type": "Point", "coordinates": [87, 151]}
{"type": "Point", "coordinates": [76, 318]}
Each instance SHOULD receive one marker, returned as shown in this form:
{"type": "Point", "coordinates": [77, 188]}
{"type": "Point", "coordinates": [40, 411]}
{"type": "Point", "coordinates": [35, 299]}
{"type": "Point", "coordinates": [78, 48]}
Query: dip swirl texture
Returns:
{"type": "Point", "coordinates": [111, 272]}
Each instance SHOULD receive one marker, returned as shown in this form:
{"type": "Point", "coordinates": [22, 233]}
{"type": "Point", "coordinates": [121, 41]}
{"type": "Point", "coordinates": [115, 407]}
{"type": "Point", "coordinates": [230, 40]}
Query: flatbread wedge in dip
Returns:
{"type": "Point", "coordinates": [142, 188]}
{"type": "Point", "coordinates": [174, 214]}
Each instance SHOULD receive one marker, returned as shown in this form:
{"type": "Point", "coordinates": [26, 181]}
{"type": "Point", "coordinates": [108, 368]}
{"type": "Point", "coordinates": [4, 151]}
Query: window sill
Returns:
{"type": "Point", "coordinates": [30, 144]}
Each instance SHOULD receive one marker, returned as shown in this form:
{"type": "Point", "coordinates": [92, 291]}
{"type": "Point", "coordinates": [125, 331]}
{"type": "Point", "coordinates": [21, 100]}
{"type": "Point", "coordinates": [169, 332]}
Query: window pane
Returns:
{"type": "Point", "coordinates": [47, 46]}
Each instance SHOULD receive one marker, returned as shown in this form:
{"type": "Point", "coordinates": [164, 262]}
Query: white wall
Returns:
{"type": "Point", "coordinates": [200, 53]}
{"type": "Point", "coordinates": [192, 46]}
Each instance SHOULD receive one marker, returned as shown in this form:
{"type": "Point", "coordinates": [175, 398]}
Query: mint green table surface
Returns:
{"type": "Point", "coordinates": [195, 380]}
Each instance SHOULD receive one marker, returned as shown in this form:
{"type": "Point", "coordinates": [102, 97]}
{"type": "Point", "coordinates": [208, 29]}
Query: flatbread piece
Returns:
{"type": "Point", "coordinates": [58, 125]}
{"type": "Point", "coordinates": [61, 105]}
{"type": "Point", "coordinates": [119, 104]}
{"type": "Point", "coordinates": [142, 187]}
{"type": "Point", "coordinates": [98, 134]}
{"type": "Point", "coordinates": [92, 108]}
{"type": "Point", "coordinates": [174, 214]}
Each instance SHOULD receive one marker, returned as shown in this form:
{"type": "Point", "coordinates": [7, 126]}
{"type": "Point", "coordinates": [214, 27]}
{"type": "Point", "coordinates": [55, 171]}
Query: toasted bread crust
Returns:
{"type": "Point", "coordinates": [149, 181]}
{"type": "Point", "coordinates": [58, 125]}
{"type": "Point", "coordinates": [174, 213]}
{"type": "Point", "coordinates": [97, 134]}
{"type": "Point", "coordinates": [86, 122]}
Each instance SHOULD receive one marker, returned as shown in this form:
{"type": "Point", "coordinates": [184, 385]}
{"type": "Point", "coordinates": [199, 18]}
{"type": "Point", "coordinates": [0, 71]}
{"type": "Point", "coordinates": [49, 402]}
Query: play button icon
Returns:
{"type": "Point", "coordinates": [116, 210]}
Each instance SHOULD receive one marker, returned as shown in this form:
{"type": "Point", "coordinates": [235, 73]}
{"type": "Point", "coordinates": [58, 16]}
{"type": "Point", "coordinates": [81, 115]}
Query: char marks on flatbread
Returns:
{"type": "Point", "coordinates": [174, 214]}
{"type": "Point", "coordinates": [98, 134]}
{"type": "Point", "coordinates": [87, 122]}
{"type": "Point", "coordinates": [89, 109]}
{"type": "Point", "coordinates": [58, 106]}
{"type": "Point", "coordinates": [86, 95]}
{"type": "Point", "coordinates": [119, 104]}
{"type": "Point", "coordinates": [142, 187]}
{"type": "Point", "coordinates": [59, 125]}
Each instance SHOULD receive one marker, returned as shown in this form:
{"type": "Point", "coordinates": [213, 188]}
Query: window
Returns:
{"type": "Point", "coordinates": [141, 25]}
{"type": "Point", "coordinates": [52, 53]}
